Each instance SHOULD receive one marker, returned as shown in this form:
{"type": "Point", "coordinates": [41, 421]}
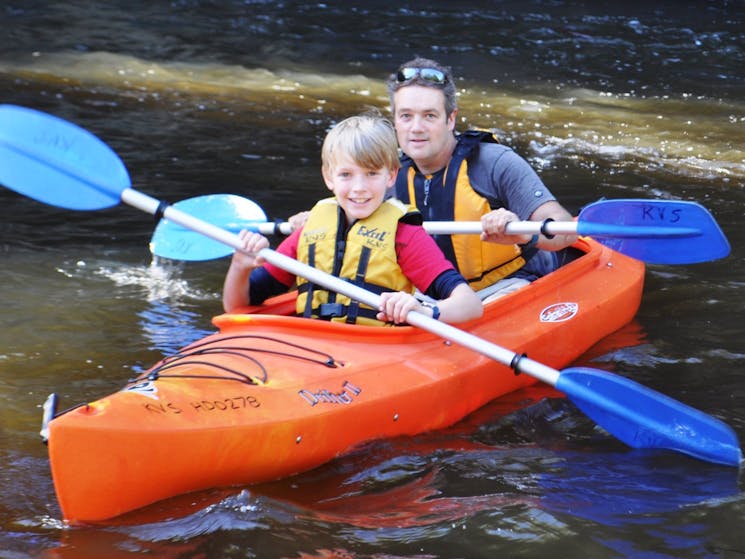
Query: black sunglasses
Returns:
{"type": "Point", "coordinates": [428, 74]}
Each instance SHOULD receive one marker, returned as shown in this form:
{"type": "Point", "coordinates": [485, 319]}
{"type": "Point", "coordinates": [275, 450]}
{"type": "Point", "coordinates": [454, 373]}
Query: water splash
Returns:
{"type": "Point", "coordinates": [161, 280]}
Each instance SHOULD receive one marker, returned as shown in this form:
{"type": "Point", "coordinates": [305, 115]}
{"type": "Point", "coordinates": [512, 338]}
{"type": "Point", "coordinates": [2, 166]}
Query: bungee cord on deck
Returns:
{"type": "Point", "coordinates": [184, 358]}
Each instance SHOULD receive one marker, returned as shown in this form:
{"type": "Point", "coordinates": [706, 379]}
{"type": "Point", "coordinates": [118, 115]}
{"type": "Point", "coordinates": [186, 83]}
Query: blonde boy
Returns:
{"type": "Point", "coordinates": [359, 236]}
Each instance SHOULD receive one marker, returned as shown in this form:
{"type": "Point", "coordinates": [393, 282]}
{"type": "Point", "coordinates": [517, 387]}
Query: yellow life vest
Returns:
{"type": "Point", "coordinates": [449, 196]}
{"type": "Point", "coordinates": [364, 255]}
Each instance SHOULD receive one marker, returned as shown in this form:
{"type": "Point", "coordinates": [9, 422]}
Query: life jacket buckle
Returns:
{"type": "Point", "coordinates": [330, 310]}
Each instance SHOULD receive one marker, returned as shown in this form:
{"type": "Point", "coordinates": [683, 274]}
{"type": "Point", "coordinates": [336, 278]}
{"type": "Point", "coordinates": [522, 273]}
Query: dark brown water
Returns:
{"type": "Point", "coordinates": [605, 99]}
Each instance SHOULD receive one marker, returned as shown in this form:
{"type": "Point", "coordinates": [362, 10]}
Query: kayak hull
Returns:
{"type": "Point", "coordinates": [268, 396]}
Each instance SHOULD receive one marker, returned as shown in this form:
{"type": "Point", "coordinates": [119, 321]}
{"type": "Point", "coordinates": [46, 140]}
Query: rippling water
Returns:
{"type": "Point", "coordinates": [604, 99]}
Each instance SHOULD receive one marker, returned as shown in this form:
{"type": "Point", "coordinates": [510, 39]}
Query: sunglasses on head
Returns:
{"type": "Point", "coordinates": [428, 74]}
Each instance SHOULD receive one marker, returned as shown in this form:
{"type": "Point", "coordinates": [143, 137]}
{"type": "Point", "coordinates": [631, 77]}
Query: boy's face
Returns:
{"type": "Point", "coordinates": [358, 191]}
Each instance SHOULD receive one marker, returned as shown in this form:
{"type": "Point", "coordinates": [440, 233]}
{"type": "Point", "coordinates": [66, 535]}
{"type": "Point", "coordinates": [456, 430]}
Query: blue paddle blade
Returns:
{"type": "Point", "coordinates": [644, 418]}
{"type": "Point", "coordinates": [57, 162]}
{"type": "Point", "coordinates": [226, 211]}
{"type": "Point", "coordinates": [686, 247]}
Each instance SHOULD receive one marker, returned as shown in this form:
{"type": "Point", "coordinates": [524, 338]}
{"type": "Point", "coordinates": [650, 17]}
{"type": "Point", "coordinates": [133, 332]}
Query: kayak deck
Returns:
{"type": "Point", "coordinates": [268, 395]}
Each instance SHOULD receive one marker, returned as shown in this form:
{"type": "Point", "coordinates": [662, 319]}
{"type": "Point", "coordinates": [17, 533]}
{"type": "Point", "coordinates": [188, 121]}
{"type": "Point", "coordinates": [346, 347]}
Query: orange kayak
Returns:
{"type": "Point", "coordinates": [270, 395]}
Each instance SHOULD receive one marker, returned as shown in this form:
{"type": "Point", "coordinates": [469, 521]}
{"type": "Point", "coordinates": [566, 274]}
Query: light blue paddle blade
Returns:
{"type": "Point", "coordinates": [57, 162]}
{"type": "Point", "coordinates": [681, 248]}
{"type": "Point", "coordinates": [644, 418]}
{"type": "Point", "coordinates": [226, 211]}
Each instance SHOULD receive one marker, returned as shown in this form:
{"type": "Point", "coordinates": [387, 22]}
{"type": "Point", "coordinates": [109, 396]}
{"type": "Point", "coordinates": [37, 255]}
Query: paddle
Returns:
{"type": "Point", "coordinates": [655, 231]}
{"type": "Point", "coordinates": [56, 162]}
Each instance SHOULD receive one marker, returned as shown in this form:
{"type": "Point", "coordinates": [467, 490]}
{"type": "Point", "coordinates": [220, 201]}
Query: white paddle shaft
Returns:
{"type": "Point", "coordinates": [459, 228]}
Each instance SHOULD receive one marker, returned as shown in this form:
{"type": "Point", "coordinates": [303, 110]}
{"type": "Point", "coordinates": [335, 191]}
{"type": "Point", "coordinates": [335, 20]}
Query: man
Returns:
{"type": "Point", "coordinates": [468, 177]}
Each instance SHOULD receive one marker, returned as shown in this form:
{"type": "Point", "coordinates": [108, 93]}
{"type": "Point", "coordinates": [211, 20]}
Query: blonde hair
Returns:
{"type": "Point", "coordinates": [368, 139]}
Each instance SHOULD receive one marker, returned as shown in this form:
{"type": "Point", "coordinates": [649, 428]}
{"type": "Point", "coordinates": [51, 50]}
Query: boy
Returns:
{"type": "Point", "coordinates": [359, 236]}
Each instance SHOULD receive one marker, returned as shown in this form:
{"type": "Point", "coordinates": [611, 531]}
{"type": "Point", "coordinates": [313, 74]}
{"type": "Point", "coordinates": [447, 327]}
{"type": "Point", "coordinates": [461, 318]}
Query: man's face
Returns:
{"type": "Point", "coordinates": [424, 131]}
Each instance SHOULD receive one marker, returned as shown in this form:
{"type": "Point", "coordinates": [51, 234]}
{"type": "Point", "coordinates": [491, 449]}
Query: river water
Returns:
{"type": "Point", "coordinates": [605, 99]}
